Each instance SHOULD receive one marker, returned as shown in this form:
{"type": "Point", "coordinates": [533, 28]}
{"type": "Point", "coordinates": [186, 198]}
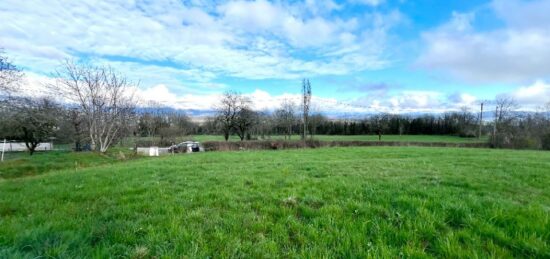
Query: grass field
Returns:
{"type": "Point", "coordinates": [314, 203]}
{"type": "Point", "coordinates": [20, 164]}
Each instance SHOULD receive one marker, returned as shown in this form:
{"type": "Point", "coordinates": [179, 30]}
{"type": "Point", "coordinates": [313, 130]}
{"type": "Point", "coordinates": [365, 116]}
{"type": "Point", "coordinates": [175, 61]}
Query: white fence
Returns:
{"type": "Point", "coordinates": [20, 146]}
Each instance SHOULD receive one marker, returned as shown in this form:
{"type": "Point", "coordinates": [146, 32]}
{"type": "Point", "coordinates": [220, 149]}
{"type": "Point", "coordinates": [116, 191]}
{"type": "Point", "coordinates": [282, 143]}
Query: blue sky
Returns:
{"type": "Point", "coordinates": [360, 55]}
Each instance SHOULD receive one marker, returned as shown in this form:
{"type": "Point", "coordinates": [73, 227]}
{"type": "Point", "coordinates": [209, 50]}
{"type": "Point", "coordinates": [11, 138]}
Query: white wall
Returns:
{"type": "Point", "coordinates": [20, 146]}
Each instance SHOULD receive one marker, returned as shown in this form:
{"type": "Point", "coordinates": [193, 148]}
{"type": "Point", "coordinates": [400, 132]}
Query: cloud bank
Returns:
{"type": "Point", "coordinates": [514, 53]}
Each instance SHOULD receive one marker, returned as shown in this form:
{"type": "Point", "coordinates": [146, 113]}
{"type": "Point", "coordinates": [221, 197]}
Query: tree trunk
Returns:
{"type": "Point", "coordinates": [289, 132]}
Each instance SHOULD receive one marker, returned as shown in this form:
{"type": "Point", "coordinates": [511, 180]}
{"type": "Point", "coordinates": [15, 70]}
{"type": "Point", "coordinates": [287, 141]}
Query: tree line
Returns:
{"type": "Point", "coordinates": [509, 128]}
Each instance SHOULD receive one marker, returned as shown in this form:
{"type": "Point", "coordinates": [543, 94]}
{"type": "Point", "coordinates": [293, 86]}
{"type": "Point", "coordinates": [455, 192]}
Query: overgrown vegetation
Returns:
{"type": "Point", "coordinates": [19, 165]}
{"type": "Point", "coordinates": [334, 202]}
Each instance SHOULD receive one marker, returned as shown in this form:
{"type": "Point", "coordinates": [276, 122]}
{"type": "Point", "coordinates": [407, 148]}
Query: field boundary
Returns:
{"type": "Point", "coordinates": [282, 144]}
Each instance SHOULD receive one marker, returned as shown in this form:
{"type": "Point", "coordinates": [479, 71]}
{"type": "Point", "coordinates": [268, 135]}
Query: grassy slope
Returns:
{"type": "Point", "coordinates": [404, 138]}
{"type": "Point", "coordinates": [334, 202]}
{"type": "Point", "coordinates": [20, 164]}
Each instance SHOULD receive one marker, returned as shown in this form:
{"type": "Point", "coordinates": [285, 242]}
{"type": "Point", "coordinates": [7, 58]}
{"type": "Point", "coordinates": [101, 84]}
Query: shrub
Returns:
{"type": "Point", "coordinates": [166, 142]}
{"type": "Point", "coordinates": [468, 134]}
{"type": "Point", "coordinates": [282, 144]}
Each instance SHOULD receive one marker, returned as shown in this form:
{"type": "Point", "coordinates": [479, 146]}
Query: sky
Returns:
{"type": "Point", "coordinates": [361, 56]}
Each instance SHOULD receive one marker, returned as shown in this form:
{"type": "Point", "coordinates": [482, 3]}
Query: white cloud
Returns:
{"type": "Point", "coordinates": [35, 85]}
{"type": "Point", "coordinates": [415, 101]}
{"type": "Point", "coordinates": [518, 52]}
{"type": "Point", "coordinates": [161, 94]}
{"type": "Point", "coordinates": [532, 96]}
{"type": "Point", "coordinates": [460, 100]}
{"type": "Point", "coordinates": [369, 2]}
{"type": "Point", "coordinates": [514, 12]}
{"type": "Point", "coordinates": [400, 102]}
{"type": "Point", "coordinates": [252, 15]}
{"type": "Point", "coordinates": [320, 7]}
{"type": "Point", "coordinates": [403, 102]}
{"type": "Point", "coordinates": [245, 39]}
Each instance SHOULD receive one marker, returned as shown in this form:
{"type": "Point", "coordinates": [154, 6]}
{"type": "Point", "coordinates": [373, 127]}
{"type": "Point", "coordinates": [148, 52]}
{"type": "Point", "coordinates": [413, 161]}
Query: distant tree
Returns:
{"type": "Point", "coordinates": [10, 75]}
{"type": "Point", "coordinates": [210, 125]}
{"type": "Point", "coordinates": [315, 120]}
{"type": "Point", "coordinates": [244, 121]}
{"type": "Point", "coordinates": [306, 102]}
{"type": "Point", "coordinates": [504, 108]}
{"type": "Point", "coordinates": [285, 116]}
{"type": "Point", "coordinates": [545, 138]}
{"type": "Point", "coordinates": [263, 127]}
{"type": "Point", "coordinates": [228, 110]}
{"type": "Point", "coordinates": [169, 133]}
{"type": "Point", "coordinates": [380, 124]}
{"type": "Point", "coordinates": [153, 119]}
{"type": "Point", "coordinates": [503, 122]}
{"type": "Point", "coordinates": [466, 122]}
{"type": "Point", "coordinates": [104, 100]}
{"type": "Point", "coordinates": [7, 113]}
{"type": "Point", "coordinates": [34, 120]}
{"type": "Point", "coordinates": [183, 123]}
{"type": "Point", "coordinates": [69, 128]}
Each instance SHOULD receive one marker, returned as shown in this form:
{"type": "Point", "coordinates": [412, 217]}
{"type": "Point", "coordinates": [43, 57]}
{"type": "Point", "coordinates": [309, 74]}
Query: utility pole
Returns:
{"type": "Point", "coordinates": [480, 121]}
{"type": "Point", "coordinates": [306, 92]}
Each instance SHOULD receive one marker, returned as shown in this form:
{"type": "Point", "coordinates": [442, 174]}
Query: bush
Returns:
{"type": "Point", "coordinates": [523, 142]}
{"type": "Point", "coordinates": [282, 144]}
{"type": "Point", "coordinates": [518, 141]}
{"type": "Point", "coordinates": [468, 134]}
{"type": "Point", "coordinates": [166, 142]}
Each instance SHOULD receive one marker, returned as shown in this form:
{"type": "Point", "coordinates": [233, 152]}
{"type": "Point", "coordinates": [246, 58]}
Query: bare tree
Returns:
{"type": "Point", "coordinates": [264, 126]}
{"type": "Point", "coordinates": [286, 116]}
{"type": "Point", "coordinates": [504, 108]}
{"type": "Point", "coordinates": [103, 97]}
{"type": "Point", "coordinates": [153, 119]}
{"type": "Point", "coordinates": [183, 123]}
{"type": "Point", "coordinates": [10, 75]}
{"type": "Point", "coordinates": [306, 101]}
{"type": "Point", "coordinates": [246, 118]}
{"type": "Point", "coordinates": [504, 118]}
{"type": "Point", "coordinates": [231, 104]}
{"type": "Point", "coordinates": [315, 120]}
{"type": "Point", "coordinates": [33, 120]}
{"type": "Point", "coordinates": [466, 122]}
{"type": "Point", "coordinates": [380, 124]}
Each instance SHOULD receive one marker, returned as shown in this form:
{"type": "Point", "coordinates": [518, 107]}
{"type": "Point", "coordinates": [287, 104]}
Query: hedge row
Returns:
{"type": "Point", "coordinates": [281, 144]}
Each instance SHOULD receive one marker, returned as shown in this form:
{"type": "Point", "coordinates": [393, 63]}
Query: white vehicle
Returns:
{"type": "Point", "coordinates": [186, 147]}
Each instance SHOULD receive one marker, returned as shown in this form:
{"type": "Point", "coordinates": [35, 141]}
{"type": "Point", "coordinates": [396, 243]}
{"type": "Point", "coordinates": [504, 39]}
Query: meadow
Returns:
{"type": "Point", "coordinates": [20, 164]}
{"type": "Point", "coordinates": [314, 203]}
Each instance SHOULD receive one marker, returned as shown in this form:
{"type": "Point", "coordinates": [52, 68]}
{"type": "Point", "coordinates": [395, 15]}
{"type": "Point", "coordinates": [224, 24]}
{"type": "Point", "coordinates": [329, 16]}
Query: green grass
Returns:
{"type": "Point", "coordinates": [20, 164]}
{"type": "Point", "coordinates": [314, 203]}
{"type": "Point", "coordinates": [402, 138]}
